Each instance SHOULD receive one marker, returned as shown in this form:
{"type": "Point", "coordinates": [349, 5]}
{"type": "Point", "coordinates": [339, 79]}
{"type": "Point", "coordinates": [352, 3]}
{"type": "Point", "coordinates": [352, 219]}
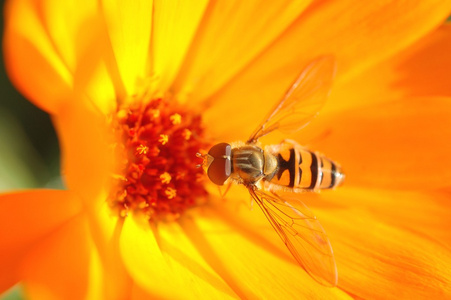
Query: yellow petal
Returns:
{"type": "Point", "coordinates": [93, 83]}
{"type": "Point", "coordinates": [362, 34]}
{"type": "Point", "coordinates": [106, 229]}
{"type": "Point", "coordinates": [252, 259]}
{"type": "Point", "coordinates": [382, 240]}
{"type": "Point", "coordinates": [129, 28]}
{"type": "Point", "coordinates": [68, 25]}
{"type": "Point", "coordinates": [83, 44]}
{"type": "Point", "coordinates": [174, 25]}
{"type": "Point", "coordinates": [165, 264]}
{"type": "Point", "coordinates": [230, 36]}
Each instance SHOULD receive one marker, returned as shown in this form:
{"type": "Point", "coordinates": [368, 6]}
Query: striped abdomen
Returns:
{"type": "Point", "coordinates": [300, 168]}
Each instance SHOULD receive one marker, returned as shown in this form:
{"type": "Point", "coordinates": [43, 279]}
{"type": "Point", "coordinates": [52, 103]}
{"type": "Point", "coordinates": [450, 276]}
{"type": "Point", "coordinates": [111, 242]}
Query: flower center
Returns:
{"type": "Point", "coordinates": [159, 177]}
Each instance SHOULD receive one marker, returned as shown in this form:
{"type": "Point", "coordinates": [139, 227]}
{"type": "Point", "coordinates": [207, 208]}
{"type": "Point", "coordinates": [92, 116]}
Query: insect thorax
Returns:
{"type": "Point", "coordinates": [250, 163]}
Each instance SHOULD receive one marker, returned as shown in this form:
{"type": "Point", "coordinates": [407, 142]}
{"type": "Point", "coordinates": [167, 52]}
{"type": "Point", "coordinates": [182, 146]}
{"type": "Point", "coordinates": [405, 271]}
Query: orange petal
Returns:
{"type": "Point", "coordinates": [251, 259]}
{"type": "Point", "coordinates": [66, 265]}
{"type": "Point", "coordinates": [58, 266]}
{"type": "Point", "coordinates": [26, 218]}
{"type": "Point", "coordinates": [82, 41]}
{"type": "Point", "coordinates": [397, 144]}
{"type": "Point", "coordinates": [377, 236]}
{"type": "Point", "coordinates": [69, 27]}
{"type": "Point", "coordinates": [362, 35]}
{"type": "Point", "coordinates": [139, 293]}
{"type": "Point", "coordinates": [165, 264]}
{"type": "Point", "coordinates": [425, 214]}
{"type": "Point", "coordinates": [33, 63]}
{"type": "Point", "coordinates": [87, 154]}
{"type": "Point", "coordinates": [424, 69]}
{"type": "Point", "coordinates": [420, 70]}
{"type": "Point", "coordinates": [376, 260]}
{"type": "Point", "coordinates": [53, 47]}
{"type": "Point", "coordinates": [230, 36]}
{"type": "Point", "coordinates": [87, 167]}
{"type": "Point", "coordinates": [129, 28]}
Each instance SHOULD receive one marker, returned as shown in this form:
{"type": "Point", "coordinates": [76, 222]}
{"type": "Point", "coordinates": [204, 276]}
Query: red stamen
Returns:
{"type": "Point", "coordinates": [158, 177]}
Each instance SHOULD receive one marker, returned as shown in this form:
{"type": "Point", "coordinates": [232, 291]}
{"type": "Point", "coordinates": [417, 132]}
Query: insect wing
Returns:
{"type": "Point", "coordinates": [302, 101]}
{"type": "Point", "coordinates": [302, 234]}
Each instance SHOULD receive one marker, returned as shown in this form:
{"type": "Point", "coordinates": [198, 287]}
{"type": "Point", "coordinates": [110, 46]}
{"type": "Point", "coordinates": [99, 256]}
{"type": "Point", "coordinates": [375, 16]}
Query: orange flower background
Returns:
{"type": "Point", "coordinates": [387, 122]}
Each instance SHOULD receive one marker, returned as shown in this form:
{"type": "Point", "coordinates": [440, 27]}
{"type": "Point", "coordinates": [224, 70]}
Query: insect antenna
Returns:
{"type": "Point", "coordinates": [203, 156]}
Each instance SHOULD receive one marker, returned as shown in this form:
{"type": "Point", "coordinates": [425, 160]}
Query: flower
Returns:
{"type": "Point", "coordinates": [136, 89]}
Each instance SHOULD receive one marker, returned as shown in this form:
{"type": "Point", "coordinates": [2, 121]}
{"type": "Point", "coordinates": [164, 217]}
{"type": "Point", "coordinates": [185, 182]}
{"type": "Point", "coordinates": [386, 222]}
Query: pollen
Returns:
{"type": "Point", "coordinates": [142, 149]}
{"type": "Point", "coordinates": [176, 119]}
{"type": "Point", "coordinates": [187, 134]}
{"type": "Point", "coordinates": [164, 139]}
{"type": "Point", "coordinates": [171, 193]}
{"type": "Point", "coordinates": [165, 178]}
{"type": "Point", "coordinates": [155, 113]}
{"type": "Point", "coordinates": [156, 174]}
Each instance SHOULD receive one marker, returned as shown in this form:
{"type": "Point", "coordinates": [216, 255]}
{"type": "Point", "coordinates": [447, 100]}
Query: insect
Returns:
{"type": "Point", "coordinates": [287, 167]}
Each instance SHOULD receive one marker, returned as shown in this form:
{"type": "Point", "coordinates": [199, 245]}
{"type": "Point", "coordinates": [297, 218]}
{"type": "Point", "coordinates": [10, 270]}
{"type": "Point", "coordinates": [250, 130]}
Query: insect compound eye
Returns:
{"type": "Point", "coordinates": [221, 166]}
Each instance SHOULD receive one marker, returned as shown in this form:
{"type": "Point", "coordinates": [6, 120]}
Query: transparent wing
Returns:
{"type": "Point", "coordinates": [302, 234]}
{"type": "Point", "coordinates": [302, 101]}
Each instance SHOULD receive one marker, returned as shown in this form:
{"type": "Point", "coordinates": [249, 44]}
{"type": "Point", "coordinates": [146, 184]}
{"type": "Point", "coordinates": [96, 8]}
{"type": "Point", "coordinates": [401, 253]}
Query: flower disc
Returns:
{"type": "Point", "coordinates": [157, 150]}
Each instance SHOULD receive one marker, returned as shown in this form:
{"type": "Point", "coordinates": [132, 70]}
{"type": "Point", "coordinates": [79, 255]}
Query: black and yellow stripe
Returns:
{"type": "Point", "coordinates": [331, 174]}
{"type": "Point", "coordinates": [286, 173]}
{"type": "Point", "coordinates": [300, 168]}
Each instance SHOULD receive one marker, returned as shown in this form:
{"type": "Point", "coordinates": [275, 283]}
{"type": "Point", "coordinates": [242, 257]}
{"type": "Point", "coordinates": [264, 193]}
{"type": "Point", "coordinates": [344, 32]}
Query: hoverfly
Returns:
{"type": "Point", "coordinates": [287, 166]}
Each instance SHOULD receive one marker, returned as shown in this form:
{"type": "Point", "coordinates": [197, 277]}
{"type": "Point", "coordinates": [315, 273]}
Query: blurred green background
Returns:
{"type": "Point", "coordinates": [29, 153]}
